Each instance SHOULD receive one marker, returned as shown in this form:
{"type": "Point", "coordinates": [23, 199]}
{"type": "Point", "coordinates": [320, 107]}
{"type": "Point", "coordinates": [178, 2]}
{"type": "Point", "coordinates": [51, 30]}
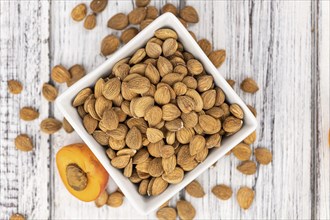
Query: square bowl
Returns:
{"type": "Point", "coordinates": [64, 103]}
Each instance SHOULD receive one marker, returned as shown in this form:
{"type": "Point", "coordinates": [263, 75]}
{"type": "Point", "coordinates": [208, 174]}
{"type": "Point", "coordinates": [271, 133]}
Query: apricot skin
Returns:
{"type": "Point", "coordinates": [83, 157]}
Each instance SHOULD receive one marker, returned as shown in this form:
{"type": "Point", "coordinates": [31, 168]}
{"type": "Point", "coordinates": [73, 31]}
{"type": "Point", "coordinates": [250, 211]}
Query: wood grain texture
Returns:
{"type": "Point", "coordinates": [24, 177]}
{"type": "Point", "coordinates": [323, 116]}
{"type": "Point", "coordinates": [283, 45]}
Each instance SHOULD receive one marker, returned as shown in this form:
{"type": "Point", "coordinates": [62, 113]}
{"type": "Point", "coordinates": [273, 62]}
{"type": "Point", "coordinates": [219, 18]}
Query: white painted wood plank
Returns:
{"type": "Point", "coordinates": [324, 112]}
{"type": "Point", "coordinates": [264, 40]}
{"type": "Point", "coordinates": [269, 41]}
{"type": "Point", "coordinates": [24, 177]}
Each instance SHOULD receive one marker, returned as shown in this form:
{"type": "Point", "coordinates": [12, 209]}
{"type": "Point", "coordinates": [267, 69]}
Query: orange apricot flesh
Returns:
{"type": "Point", "coordinates": [81, 172]}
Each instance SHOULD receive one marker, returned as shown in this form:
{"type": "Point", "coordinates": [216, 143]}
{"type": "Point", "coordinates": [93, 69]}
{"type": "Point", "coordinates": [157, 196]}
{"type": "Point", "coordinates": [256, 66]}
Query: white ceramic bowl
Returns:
{"type": "Point", "coordinates": [142, 203]}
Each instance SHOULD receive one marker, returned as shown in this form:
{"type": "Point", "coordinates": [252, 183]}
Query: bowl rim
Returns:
{"type": "Point", "coordinates": [63, 102]}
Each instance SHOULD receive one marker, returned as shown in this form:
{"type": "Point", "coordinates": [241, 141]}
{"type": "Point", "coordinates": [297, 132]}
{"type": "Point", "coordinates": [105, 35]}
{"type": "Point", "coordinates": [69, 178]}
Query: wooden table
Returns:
{"type": "Point", "coordinates": [284, 45]}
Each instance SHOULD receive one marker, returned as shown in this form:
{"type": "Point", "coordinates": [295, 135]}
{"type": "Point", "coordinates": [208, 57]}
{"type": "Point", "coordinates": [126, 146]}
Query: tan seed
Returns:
{"type": "Point", "coordinates": [17, 216]}
{"type": "Point", "coordinates": [101, 137]}
{"type": "Point", "coordinates": [180, 88]}
{"type": "Point", "coordinates": [208, 98]}
{"type": "Point", "coordinates": [170, 8]}
{"type": "Point", "coordinates": [118, 21]}
{"type": "Point", "coordinates": [119, 133]}
{"type": "Point", "coordinates": [201, 156]}
{"type": "Point", "coordinates": [251, 138]}
{"type": "Point", "coordinates": [213, 141]}
{"type": "Point", "coordinates": [215, 112]}
{"type": "Point", "coordinates": [142, 3]}
{"type": "Point", "coordinates": [174, 177]}
{"type": "Point", "coordinates": [116, 144]}
{"type": "Point", "coordinates": [242, 151]}
{"type": "Point", "coordinates": [14, 87]}
{"type": "Point", "coordinates": [165, 33]}
{"type": "Point", "coordinates": [77, 72]}
{"type": "Point", "coordinates": [78, 13]}
{"type": "Point", "coordinates": [90, 22]}
{"type": "Point", "coordinates": [183, 155]}
{"type": "Point", "coordinates": [153, 50]}
{"type": "Point", "coordinates": [170, 112]}
{"type": "Point", "coordinates": [217, 57]}
{"type": "Point", "coordinates": [159, 185]}
{"type": "Point", "coordinates": [232, 124]}
{"type": "Point", "coordinates": [134, 138]}
{"type": "Point", "coordinates": [111, 88]}
{"type": "Point", "coordinates": [89, 123]}
{"type": "Point", "coordinates": [109, 45]}
{"type": "Point", "coordinates": [185, 210]}
{"type": "Point", "coordinates": [101, 104]}
{"type": "Point", "coordinates": [190, 120]}
{"type": "Point", "coordinates": [98, 6]}
{"type": "Point", "coordinates": [196, 144]}
{"type": "Point", "coordinates": [185, 135]}
{"type": "Point", "coordinates": [49, 92]}
{"type": "Point", "coordinates": [23, 142]}
{"type": "Point", "coordinates": [67, 126]}
{"type": "Point", "coordinates": [220, 97]}
{"type": "Point", "coordinates": [169, 165]}
{"type": "Point", "coordinates": [137, 15]}
{"type": "Point", "coordinates": [139, 85]}
{"type": "Point", "coordinates": [28, 114]}
{"type": "Point", "coordinates": [102, 199]}
{"type": "Point", "coordinates": [50, 125]}
{"type": "Point", "coordinates": [128, 34]}
{"type": "Point", "coordinates": [162, 95]}
{"type": "Point", "coordinates": [186, 103]}
{"type": "Point", "coordinates": [60, 74]}
{"type": "Point", "coordinates": [153, 115]}
{"type": "Point", "coordinates": [170, 46]}
{"type": "Point", "coordinates": [166, 213]}
{"type": "Point", "coordinates": [194, 67]}
{"type": "Point", "coordinates": [183, 22]}
{"type": "Point", "coordinates": [166, 151]}
{"type": "Point", "coordinates": [249, 85]}
{"type": "Point", "coordinates": [120, 162]}
{"type": "Point", "coordinates": [115, 199]}
{"type": "Point", "coordinates": [139, 106]}
{"type": "Point", "coordinates": [164, 66]}
{"type": "Point", "coordinates": [197, 99]}
{"type": "Point", "coordinates": [145, 23]}
{"type": "Point", "coordinates": [143, 187]}
{"type": "Point", "coordinates": [195, 189]}
{"type": "Point", "coordinates": [189, 14]}
{"type": "Point", "coordinates": [152, 12]}
{"type": "Point", "coordinates": [128, 170]}
{"type": "Point", "coordinates": [110, 119]}
{"type": "Point", "coordinates": [245, 197]}
{"type": "Point", "coordinates": [152, 73]}
{"type": "Point", "coordinates": [236, 110]}
{"type": "Point", "coordinates": [155, 167]}
{"type": "Point", "coordinates": [204, 83]}
{"type": "Point", "coordinates": [222, 192]}
{"type": "Point", "coordinates": [231, 82]}
{"type": "Point", "coordinates": [263, 155]}
{"type": "Point", "coordinates": [141, 156]}
{"type": "Point", "coordinates": [247, 167]}
{"type": "Point", "coordinates": [205, 45]}
{"type": "Point", "coordinates": [110, 153]}
{"type": "Point", "coordinates": [154, 135]}
{"type": "Point", "coordinates": [174, 125]}
{"type": "Point", "coordinates": [209, 124]}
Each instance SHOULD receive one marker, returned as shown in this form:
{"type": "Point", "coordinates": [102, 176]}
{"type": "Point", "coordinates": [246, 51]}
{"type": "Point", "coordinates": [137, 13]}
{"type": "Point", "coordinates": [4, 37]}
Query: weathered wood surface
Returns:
{"type": "Point", "coordinates": [284, 45]}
